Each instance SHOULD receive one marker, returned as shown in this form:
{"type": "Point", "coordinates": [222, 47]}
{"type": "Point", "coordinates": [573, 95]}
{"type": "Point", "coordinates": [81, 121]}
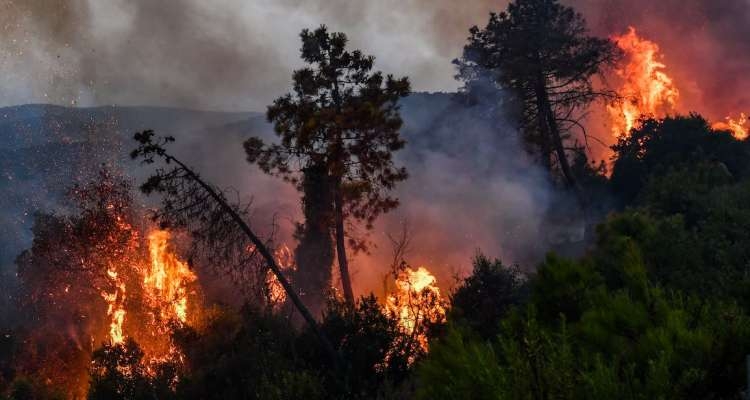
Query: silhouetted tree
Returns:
{"type": "Point", "coordinates": [486, 296]}
{"type": "Point", "coordinates": [672, 142]}
{"type": "Point", "coordinates": [540, 50]}
{"type": "Point", "coordinates": [344, 119]}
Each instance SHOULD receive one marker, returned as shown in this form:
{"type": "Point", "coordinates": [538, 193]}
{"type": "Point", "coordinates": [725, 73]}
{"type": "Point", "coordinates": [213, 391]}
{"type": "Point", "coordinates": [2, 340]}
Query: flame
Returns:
{"type": "Point", "coordinates": [735, 126]}
{"type": "Point", "coordinates": [646, 89]}
{"type": "Point", "coordinates": [115, 307]}
{"type": "Point", "coordinates": [165, 281]}
{"type": "Point", "coordinates": [163, 300]}
{"type": "Point", "coordinates": [416, 302]}
{"type": "Point", "coordinates": [285, 261]}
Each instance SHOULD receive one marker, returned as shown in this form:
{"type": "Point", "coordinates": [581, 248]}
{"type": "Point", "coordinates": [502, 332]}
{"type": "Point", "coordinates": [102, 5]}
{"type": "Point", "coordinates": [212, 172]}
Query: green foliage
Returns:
{"type": "Point", "coordinates": [376, 351]}
{"type": "Point", "coordinates": [674, 142]}
{"type": "Point", "coordinates": [247, 355]}
{"type": "Point", "coordinates": [460, 366]}
{"type": "Point", "coordinates": [598, 328]}
{"type": "Point", "coordinates": [569, 299]}
{"type": "Point", "coordinates": [487, 295]}
{"type": "Point", "coordinates": [693, 235]}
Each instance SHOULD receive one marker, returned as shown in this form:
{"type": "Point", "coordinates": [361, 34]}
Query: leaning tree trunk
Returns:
{"type": "Point", "coordinates": [346, 282]}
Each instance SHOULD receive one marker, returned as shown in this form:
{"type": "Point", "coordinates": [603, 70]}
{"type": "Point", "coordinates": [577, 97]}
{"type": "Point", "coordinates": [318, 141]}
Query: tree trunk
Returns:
{"type": "Point", "coordinates": [269, 258]}
{"type": "Point", "coordinates": [548, 124]}
{"type": "Point", "coordinates": [314, 253]}
{"type": "Point", "coordinates": [346, 282]}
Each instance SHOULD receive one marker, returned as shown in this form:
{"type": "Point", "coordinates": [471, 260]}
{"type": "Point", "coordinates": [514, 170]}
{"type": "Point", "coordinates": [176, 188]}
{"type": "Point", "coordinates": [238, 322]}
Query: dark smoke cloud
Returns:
{"type": "Point", "coordinates": [238, 55]}
{"type": "Point", "coordinates": [225, 54]}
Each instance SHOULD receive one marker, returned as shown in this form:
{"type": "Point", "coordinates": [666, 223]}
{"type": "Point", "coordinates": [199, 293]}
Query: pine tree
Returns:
{"type": "Point", "coordinates": [541, 51]}
{"type": "Point", "coordinates": [343, 118]}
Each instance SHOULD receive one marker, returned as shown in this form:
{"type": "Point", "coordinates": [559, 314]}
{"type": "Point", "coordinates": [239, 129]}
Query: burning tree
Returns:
{"type": "Point", "coordinates": [540, 50]}
{"type": "Point", "coordinates": [646, 89]}
{"type": "Point", "coordinates": [65, 274]}
{"type": "Point", "coordinates": [339, 127]}
{"type": "Point", "coordinates": [99, 275]}
{"type": "Point", "coordinates": [218, 228]}
{"type": "Point", "coordinates": [417, 305]}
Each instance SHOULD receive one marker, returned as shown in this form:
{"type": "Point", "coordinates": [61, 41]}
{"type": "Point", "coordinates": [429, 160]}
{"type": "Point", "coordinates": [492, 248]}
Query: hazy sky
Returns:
{"type": "Point", "coordinates": [239, 54]}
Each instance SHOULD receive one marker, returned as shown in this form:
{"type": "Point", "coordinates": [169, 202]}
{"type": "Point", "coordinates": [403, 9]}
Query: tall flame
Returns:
{"type": "Point", "coordinates": [646, 89]}
{"type": "Point", "coordinates": [737, 126]}
{"type": "Point", "coordinates": [416, 302]}
{"type": "Point", "coordinates": [115, 307]}
{"type": "Point", "coordinates": [165, 281]}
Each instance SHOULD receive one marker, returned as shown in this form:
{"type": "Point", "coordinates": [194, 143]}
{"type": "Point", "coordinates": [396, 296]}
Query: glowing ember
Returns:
{"type": "Point", "coordinates": [737, 126]}
{"type": "Point", "coordinates": [416, 302]}
{"type": "Point", "coordinates": [647, 89]}
{"type": "Point", "coordinates": [165, 282]}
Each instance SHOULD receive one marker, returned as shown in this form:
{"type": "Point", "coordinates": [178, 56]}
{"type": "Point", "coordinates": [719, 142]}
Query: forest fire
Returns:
{"type": "Point", "coordinates": [178, 234]}
{"type": "Point", "coordinates": [165, 282]}
{"type": "Point", "coordinates": [738, 127]}
{"type": "Point", "coordinates": [285, 260]}
{"type": "Point", "coordinates": [646, 89]}
{"type": "Point", "coordinates": [416, 302]}
{"type": "Point", "coordinates": [115, 308]}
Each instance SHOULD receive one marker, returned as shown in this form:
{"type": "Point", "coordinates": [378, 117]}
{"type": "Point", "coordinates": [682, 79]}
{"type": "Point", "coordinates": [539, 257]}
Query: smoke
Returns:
{"type": "Point", "coordinates": [225, 54]}
{"type": "Point", "coordinates": [238, 55]}
{"type": "Point", "coordinates": [471, 188]}
{"type": "Point", "coordinates": [470, 185]}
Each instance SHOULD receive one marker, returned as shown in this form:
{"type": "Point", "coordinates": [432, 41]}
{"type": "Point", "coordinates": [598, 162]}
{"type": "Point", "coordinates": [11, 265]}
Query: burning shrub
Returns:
{"type": "Point", "coordinates": [375, 348]}
{"type": "Point", "coordinates": [95, 276]}
{"type": "Point", "coordinates": [418, 307]}
{"type": "Point", "coordinates": [118, 371]}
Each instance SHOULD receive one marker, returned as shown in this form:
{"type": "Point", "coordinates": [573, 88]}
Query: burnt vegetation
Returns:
{"type": "Point", "coordinates": [655, 307]}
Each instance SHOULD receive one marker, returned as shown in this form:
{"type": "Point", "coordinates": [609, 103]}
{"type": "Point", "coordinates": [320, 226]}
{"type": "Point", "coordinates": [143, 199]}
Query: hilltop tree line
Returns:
{"type": "Point", "coordinates": [657, 307]}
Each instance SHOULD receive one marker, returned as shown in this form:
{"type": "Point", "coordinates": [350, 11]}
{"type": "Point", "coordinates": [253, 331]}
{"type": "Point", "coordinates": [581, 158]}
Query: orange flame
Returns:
{"type": "Point", "coordinates": [416, 302]}
{"type": "Point", "coordinates": [735, 126]}
{"type": "Point", "coordinates": [646, 89]}
{"type": "Point", "coordinates": [285, 261]}
{"type": "Point", "coordinates": [115, 307]}
{"type": "Point", "coordinates": [165, 282]}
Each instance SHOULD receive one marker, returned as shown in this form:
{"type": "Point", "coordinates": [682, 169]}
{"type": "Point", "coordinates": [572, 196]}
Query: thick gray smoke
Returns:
{"type": "Point", "coordinates": [237, 55]}
{"type": "Point", "coordinates": [471, 187]}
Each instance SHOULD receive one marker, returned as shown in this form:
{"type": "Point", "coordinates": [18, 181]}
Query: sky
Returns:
{"type": "Point", "coordinates": [239, 54]}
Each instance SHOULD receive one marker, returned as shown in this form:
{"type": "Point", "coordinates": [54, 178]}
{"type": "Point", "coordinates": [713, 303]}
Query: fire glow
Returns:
{"type": "Point", "coordinates": [164, 286]}
{"type": "Point", "coordinates": [416, 303]}
{"type": "Point", "coordinates": [738, 127]}
{"type": "Point", "coordinates": [646, 90]}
